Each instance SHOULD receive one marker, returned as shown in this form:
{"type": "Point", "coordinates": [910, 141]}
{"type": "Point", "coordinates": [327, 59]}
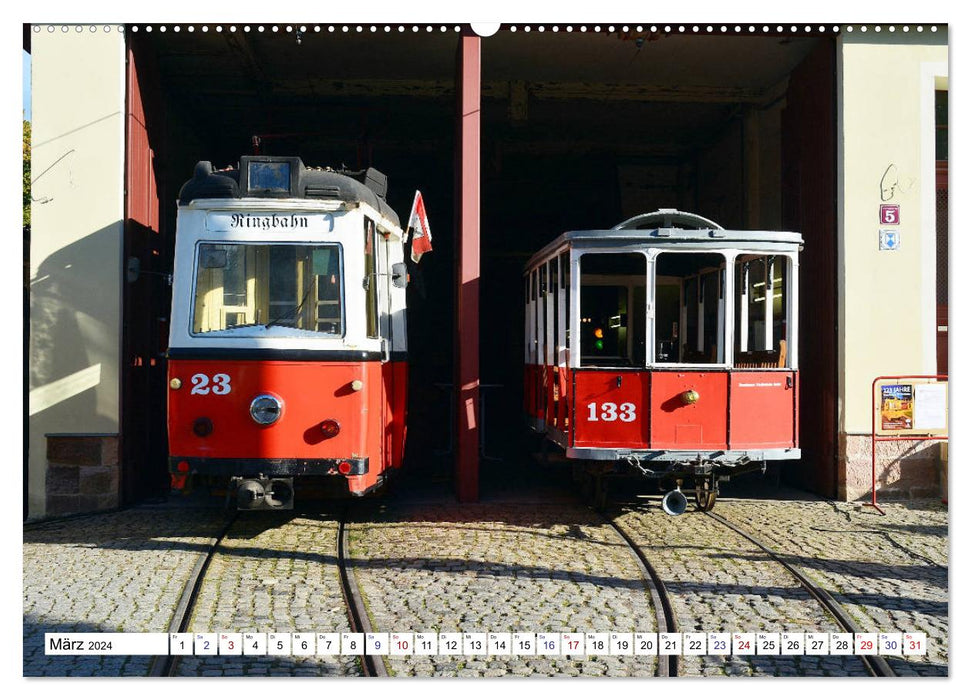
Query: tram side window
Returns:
{"type": "Point", "coordinates": [258, 286]}
{"type": "Point", "coordinates": [613, 309]}
{"type": "Point", "coordinates": [761, 308]}
{"type": "Point", "coordinates": [689, 308]}
{"type": "Point", "coordinates": [371, 282]}
{"type": "Point", "coordinates": [565, 270]}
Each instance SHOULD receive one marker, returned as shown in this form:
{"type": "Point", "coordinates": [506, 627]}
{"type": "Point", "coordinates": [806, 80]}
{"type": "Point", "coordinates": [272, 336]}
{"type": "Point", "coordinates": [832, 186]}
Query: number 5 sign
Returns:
{"type": "Point", "coordinates": [889, 213]}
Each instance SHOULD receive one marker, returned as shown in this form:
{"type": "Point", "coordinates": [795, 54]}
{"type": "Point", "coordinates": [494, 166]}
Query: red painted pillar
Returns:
{"type": "Point", "coordinates": [466, 345]}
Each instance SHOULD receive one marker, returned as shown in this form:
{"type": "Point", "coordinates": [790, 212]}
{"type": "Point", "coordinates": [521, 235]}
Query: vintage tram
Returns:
{"type": "Point", "coordinates": [666, 347]}
{"type": "Point", "coordinates": [287, 346]}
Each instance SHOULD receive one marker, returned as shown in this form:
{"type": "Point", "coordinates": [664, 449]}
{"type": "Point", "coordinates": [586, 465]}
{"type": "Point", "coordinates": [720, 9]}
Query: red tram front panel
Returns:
{"type": "Point", "coordinates": [370, 418]}
{"type": "Point", "coordinates": [763, 410]}
{"type": "Point", "coordinates": [611, 409]}
{"type": "Point", "coordinates": [673, 410]}
{"type": "Point", "coordinates": [682, 421]}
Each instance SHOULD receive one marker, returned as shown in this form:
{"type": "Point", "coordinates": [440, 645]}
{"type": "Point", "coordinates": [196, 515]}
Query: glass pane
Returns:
{"type": "Point", "coordinates": [565, 271]}
{"type": "Point", "coordinates": [372, 282]}
{"type": "Point", "coordinates": [264, 286]}
{"type": "Point", "coordinates": [612, 309]}
{"type": "Point", "coordinates": [710, 296]}
{"type": "Point", "coordinates": [940, 121]}
{"type": "Point", "coordinates": [780, 284]}
{"type": "Point", "coordinates": [269, 177]}
{"type": "Point", "coordinates": [758, 299]}
{"type": "Point", "coordinates": [756, 305]}
{"type": "Point", "coordinates": [667, 316]}
{"type": "Point", "coordinates": [687, 306]}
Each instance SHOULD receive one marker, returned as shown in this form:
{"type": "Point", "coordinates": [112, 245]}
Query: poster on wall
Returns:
{"type": "Point", "coordinates": [897, 407]}
{"type": "Point", "coordinates": [930, 407]}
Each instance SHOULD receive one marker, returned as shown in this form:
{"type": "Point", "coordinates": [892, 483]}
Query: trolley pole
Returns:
{"type": "Point", "coordinates": [467, 269]}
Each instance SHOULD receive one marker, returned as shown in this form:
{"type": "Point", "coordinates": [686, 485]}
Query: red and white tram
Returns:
{"type": "Point", "coordinates": [287, 348]}
{"type": "Point", "coordinates": [667, 347]}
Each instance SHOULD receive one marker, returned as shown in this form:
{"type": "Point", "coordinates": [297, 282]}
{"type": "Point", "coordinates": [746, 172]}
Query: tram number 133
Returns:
{"type": "Point", "coordinates": [609, 412]}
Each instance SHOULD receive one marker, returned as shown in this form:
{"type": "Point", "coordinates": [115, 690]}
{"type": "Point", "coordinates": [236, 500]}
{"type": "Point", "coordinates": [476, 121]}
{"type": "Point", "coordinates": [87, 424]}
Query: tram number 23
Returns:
{"type": "Point", "coordinates": [219, 384]}
{"type": "Point", "coordinates": [609, 412]}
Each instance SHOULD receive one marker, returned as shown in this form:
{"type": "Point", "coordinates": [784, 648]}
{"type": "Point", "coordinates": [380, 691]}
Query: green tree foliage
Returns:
{"type": "Point", "coordinates": [26, 173]}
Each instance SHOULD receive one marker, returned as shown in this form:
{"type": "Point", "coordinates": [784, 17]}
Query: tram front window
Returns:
{"type": "Point", "coordinates": [612, 309]}
{"type": "Point", "coordinates": [245, 289]}
{"type": "Point", "coordinates": [689, 313]}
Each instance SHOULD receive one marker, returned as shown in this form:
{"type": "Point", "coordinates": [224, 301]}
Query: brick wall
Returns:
{"type": "Point", "coordinates": [903, 469]}
{"type": "Point", "coordinates": [82, 473]}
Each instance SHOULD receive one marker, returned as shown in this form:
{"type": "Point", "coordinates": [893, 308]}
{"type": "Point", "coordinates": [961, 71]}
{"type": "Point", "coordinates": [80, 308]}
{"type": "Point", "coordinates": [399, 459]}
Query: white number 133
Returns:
{"type": "Point", "coordinates": [609, 412]}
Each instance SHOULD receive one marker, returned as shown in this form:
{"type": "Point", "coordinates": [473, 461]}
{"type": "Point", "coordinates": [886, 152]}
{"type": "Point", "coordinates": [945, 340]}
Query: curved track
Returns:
{"type": "Point", "coordinates": [875, 665]}
{"type": "Point", "coordinates": [356, 611]}
{"type": "Point", "coordinates": [667, 621]}
{"type": "Point", "coordinates": [167, 665]}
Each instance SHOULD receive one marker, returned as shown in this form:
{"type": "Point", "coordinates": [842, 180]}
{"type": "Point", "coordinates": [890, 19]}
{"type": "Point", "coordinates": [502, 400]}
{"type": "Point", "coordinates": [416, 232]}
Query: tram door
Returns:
{"type": "Point", "coordinates": [611, 391]}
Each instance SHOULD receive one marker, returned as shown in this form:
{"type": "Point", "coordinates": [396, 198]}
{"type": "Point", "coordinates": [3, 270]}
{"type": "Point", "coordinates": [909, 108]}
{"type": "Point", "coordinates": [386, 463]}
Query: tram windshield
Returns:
{"type": "Point", "coordinates": [248, 289]}
{"type": "Point", "coordinates": [690, 314]}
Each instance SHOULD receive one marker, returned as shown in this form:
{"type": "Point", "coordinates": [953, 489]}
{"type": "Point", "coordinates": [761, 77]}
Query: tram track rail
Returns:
{"type": "Point", "coordinates": [167, 666]}
{"type": "Point", "coordinates": [372, 666]}
{"type": "Point", "coordinates": [162, 666]}
{"type": "Point", "coordinates": [668, 666]}
{"type": "Point", "coordinates": [875, 665]}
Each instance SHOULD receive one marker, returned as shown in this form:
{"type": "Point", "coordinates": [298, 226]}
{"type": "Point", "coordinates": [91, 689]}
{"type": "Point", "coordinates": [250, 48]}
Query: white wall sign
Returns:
{"type": "Point", "coordinates": [930, 407]}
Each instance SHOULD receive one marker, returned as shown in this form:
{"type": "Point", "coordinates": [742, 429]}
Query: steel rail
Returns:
{"type": "Point", "coordinates": [875, 665]}
{"type": "Point", "coordinates": [167, 665]}
{"type": "Point", "coordinates": [667, 621]}
{"type": "Point", "coordinates": [356, 610]}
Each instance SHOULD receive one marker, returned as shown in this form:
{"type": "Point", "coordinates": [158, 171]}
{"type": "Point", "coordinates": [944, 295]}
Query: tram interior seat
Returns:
{"type": "Point", "coordinates": [699, 357]}
{"type": "Point", "coordinates": [762, 358]}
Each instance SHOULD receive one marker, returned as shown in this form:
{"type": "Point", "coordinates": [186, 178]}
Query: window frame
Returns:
{"type": "Point", "coordinates": [302, 332]}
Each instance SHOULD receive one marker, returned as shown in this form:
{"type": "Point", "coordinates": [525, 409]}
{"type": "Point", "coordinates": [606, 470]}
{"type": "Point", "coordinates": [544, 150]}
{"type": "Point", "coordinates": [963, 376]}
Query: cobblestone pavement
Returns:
{"type": "Point", "coordinates": [274, 572]}
{"type": "Point", "coordinates": [500, 567]}
{"type": "Point", "coordinates": [719, 582]}
{"type": "Point", "coordinates": [889, 572]}
{"type": "Point", "coordinates": [119, 572]}
{"type": "Point", "coordinates": [533, 562]}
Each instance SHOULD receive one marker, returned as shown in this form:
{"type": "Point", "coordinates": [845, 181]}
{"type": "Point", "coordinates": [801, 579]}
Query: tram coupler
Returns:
{"type": "Point", "coordinates": [261, 493]}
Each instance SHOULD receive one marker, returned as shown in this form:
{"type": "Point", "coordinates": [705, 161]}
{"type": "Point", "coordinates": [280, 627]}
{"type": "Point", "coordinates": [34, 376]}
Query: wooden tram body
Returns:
{"type": "Point", "coordinates": [643, 354]}
{"type": "Point", "coordinates": [287, 349]}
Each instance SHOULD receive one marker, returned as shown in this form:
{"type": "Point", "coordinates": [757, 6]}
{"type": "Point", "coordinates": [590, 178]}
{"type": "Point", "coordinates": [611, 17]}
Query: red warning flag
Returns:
{"type": "Point", "coordinates": [421, 234]}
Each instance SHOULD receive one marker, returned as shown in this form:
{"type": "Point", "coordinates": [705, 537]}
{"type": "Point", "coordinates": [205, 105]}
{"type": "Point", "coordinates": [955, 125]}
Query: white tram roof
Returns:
{"type": "Point", "coordinates": [670, 228]}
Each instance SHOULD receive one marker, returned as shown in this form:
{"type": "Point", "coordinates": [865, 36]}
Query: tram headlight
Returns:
{"type": "Point", "coordinates": [266, 409]}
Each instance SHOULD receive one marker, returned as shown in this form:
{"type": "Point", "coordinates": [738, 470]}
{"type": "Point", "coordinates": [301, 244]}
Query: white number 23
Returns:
{"type": "Point", "coordinates": [220, 384]}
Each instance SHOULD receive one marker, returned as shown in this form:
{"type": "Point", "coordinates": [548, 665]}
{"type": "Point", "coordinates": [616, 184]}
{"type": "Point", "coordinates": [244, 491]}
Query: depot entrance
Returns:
{"type": "Point", "coordinates": [578, 130]}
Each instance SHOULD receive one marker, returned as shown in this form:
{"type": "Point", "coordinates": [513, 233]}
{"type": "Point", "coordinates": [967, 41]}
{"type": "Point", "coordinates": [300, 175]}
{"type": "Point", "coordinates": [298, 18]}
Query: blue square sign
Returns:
{"type": "Point", "coordinates": [889, 239]}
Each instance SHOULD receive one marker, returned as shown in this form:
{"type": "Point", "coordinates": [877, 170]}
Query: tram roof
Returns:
{"type": "Point", "coordinates": [366, 186]}
{"type": "Point", "coordinates": [669, 237]}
